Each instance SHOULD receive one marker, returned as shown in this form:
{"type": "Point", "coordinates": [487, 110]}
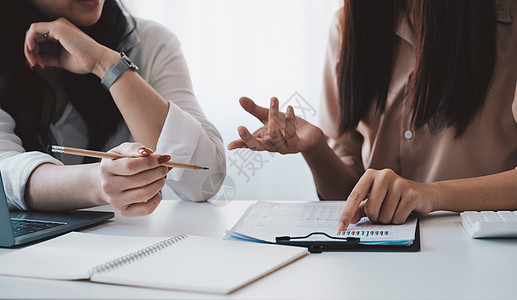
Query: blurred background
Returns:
{"type": "Point", "coordinates": [257, 49]}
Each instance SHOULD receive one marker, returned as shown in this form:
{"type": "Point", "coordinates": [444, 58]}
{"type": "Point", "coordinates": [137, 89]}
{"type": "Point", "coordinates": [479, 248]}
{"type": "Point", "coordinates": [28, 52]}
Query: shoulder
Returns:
{"type": "Point", "coordinates": [157, 47]}
{"type": "Point", "coordinates": [336, 26]}
{"type": "Point", "coordinates": [335, 39]}
{"type": "Point", "coordinates": [151, 33]}
{"type": "Point", "coordinates": [335, 36]}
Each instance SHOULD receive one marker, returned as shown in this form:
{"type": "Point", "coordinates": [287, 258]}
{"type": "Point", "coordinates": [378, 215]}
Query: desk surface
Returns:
{"type": "Point", "coordinates": [450, 265]}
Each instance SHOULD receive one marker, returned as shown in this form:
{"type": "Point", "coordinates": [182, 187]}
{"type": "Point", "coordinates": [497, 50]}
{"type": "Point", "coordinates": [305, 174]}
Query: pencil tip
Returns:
{"type": "Point", "coordinates": [205, 168]}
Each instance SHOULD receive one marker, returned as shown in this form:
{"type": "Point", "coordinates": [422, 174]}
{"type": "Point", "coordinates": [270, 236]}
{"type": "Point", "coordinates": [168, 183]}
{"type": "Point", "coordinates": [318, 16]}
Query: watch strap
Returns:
{"type": "Point", "coordinates": [115, 71]}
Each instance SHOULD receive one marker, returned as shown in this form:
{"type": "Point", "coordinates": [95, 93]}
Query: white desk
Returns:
{"type": "Point", "coordinates": [450, 265]}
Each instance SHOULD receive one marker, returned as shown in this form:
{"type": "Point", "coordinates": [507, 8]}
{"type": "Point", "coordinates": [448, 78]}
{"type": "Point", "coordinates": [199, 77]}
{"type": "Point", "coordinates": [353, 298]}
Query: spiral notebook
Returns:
{"type": "Point", "coordinates": [182, 262]}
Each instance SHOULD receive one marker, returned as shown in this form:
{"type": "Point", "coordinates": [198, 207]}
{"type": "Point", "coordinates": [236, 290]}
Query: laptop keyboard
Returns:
{"type": "Point", "coordinates": [23, 227]}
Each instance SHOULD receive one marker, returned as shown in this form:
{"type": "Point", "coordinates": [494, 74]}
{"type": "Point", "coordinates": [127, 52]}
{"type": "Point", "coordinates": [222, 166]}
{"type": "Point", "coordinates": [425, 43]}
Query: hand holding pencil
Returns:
{"type": "Point", "coordinates": [129, 177]}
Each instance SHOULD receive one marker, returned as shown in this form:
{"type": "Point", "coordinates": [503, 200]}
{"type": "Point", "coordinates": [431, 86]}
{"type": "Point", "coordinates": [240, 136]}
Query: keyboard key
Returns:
{"type": "Point", "coordinates": [508, 216]}
{"type": "Point", "coordinates": [492, 216]}
{"type": "Point", "coordinates": [490, 223]}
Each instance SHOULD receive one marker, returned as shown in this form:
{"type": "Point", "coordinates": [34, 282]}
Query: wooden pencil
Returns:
{"type": "Point", "coordinates": [99, 154]}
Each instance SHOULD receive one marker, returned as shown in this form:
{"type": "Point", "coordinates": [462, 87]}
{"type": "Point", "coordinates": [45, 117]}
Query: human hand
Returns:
{"type": "Point", "coordinates": [132, 185]}
{"type": "Point", "coordinates": [79, 53]}
{"type": "Point", "coordinates": [282, 133]}
{"type": "Point", "coordinates": [385, 197]}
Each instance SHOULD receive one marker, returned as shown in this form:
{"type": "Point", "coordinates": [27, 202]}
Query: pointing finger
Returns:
{"type": "Point", "coordinates": [358, 194]}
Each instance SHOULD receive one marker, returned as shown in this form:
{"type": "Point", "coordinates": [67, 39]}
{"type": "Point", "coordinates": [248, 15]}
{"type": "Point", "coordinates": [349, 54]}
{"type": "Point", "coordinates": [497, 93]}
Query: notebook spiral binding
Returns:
{"type": "Point", "coordinates": [110, 265]}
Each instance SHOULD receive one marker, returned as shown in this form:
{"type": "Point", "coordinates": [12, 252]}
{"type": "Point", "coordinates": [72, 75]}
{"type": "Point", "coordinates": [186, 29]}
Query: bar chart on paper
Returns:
{"type": "Point", "coordinates": [365, 233]}
{"type": "Point", "coordinates": [264, 221]}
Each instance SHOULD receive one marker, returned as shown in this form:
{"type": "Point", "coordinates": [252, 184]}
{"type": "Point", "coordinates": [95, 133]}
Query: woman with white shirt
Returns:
{"type": "Point", "coordinates": [91, 76]}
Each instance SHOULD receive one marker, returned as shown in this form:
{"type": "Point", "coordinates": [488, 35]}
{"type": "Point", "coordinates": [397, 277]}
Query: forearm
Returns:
{"type": "Point", "coordinates": [492, 192]}
{"type": "Point", "coordinates": [143, 109]}
{"type": "Point", "coordinates": [57, 188]}
{"type": "Point", "coordinates": [334, 179]}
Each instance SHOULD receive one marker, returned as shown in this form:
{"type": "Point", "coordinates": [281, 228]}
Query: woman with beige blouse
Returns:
{"type": "Point", "coordinates": [418, 110]}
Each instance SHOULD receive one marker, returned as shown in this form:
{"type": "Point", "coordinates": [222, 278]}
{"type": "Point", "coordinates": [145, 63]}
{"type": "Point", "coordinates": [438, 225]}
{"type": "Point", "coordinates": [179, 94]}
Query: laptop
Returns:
{"type": "Point", "coordinates": [20, 227]}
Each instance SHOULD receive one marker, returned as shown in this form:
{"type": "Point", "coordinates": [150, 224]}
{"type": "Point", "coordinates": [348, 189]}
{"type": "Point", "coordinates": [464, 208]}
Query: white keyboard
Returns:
{"type": "Point", "coordinates": [484, 224]}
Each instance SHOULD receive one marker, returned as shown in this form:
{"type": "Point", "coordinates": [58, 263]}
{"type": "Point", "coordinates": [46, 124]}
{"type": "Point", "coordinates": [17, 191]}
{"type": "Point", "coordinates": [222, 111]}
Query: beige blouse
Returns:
{"type": "Point", "coordinates": [488, 146]}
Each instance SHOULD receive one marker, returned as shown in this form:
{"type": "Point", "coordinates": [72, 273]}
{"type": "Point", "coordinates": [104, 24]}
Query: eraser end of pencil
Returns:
{"type": "Point", "coordinates": [56, 149]}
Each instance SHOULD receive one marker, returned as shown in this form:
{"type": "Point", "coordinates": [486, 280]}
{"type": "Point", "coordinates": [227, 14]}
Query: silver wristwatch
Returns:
{"type": "Point", "coordinates": [114, 72]}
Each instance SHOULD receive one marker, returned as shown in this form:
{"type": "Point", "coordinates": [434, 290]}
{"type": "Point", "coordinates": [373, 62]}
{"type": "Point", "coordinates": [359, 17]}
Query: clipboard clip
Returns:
{"type": "Point", "coordinates": [319, 246]}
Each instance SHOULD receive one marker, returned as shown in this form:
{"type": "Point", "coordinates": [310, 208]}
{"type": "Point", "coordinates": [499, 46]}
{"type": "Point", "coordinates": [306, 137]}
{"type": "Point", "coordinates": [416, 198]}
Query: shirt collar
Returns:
{"type": "Point", "coordinates": [404, 29]}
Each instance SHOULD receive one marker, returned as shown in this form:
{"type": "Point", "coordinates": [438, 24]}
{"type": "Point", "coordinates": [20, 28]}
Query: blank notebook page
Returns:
{"type": "Point", "coordinates": [203, 264]}
{"type": "Point", "coordinates": [183, 262]}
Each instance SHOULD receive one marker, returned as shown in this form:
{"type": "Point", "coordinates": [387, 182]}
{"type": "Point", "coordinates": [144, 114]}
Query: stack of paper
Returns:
{"type": "Point", "coordinates": [264, 221]}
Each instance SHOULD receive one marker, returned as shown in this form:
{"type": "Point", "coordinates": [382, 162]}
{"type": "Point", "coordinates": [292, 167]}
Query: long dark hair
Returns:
{"type": "Point", "coordinates": [30, 101]}
{"type": "Point", "coordinates": [454, 54]}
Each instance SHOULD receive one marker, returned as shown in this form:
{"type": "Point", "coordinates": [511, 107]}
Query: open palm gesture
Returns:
{"type": "Point", "coordinates": [282, 132]}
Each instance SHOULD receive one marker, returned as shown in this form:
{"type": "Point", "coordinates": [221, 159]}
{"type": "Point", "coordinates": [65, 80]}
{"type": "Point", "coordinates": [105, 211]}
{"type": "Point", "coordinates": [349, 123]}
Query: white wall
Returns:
{"type": "Point", "coordinates": [259, 49]}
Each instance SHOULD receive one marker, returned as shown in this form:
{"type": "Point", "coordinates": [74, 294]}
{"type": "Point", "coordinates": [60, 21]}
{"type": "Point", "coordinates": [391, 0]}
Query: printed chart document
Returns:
{"type": "Point", "coordinates": [264, 221]}
{"type": "Point", "coordinates": [183, 262]}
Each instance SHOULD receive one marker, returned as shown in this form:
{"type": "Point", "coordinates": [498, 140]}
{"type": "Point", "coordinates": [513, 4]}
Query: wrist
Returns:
{"type": "Point", "coordinates": [107, 59]}
{"type": "Point", "coordinates": [318, 146]}
{"type": "Point", "coordinates": [97, 194]}
{"type": "Point", "coordinates": [438, 197]}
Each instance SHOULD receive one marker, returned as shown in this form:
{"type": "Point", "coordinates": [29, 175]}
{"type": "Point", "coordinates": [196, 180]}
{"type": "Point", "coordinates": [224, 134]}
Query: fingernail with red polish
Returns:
{"type": "Point", "coordinates": [145, 151]}
{"type": "Point", "coordinates": [163, 159]}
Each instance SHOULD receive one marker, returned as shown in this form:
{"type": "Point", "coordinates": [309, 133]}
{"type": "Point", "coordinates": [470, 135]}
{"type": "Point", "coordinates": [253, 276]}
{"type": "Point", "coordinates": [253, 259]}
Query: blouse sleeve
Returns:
{"type": "Point", "coordinates": [16, 165]}
{"type": "Point", "coordinates": [186, 134]}
{"type": "Point", "coordinates": [347, 145]}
